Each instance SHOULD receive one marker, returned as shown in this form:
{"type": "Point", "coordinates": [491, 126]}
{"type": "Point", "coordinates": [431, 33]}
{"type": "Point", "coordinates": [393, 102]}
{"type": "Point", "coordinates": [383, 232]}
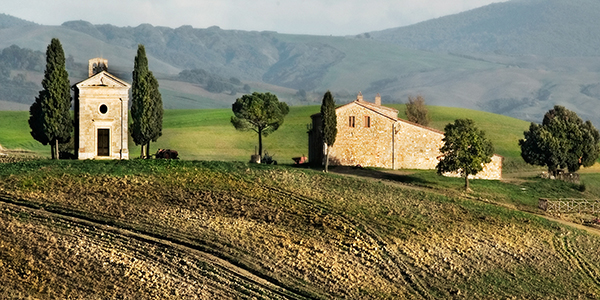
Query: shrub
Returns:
{"type": "Point", "coordinates": [416, 111]}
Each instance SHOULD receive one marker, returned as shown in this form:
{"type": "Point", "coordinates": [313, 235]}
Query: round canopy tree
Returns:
{"type": "Point", "coordinates": [562, 141]}
{"type": "Point", "coordinates": [466, 149]}
{"type": "Point", "coordinates": [259, 112]}
{"type": "Point", "coordinates": [416, 111]}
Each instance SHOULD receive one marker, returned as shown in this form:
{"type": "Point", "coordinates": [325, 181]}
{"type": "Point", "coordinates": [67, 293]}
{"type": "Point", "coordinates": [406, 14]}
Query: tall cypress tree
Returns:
{"type": "Point", "coordinates": [156, 111]}
{"type": "Point", "coordinates": [328, 124]}
{"type": "Point", "coordinates": [141, 113]}
{"type": "Point", "coordinates": [49, 116]}
{"type": "Point", "coordinates": [146, 108]}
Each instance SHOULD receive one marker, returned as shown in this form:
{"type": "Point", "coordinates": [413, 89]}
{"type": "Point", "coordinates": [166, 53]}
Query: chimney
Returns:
{"type": "Point", "coordinates": [359, 97]}
{"type": "Point", "coordinates": [378, 99]}
{"type": "Point", "coordinates": [97, 65]}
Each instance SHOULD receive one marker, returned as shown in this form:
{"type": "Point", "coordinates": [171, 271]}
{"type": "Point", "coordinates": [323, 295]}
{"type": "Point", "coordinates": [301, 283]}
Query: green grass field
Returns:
{"type": "Point", "coordinates": [14, 132]}
{"type": "Point", "coordinates": [208, 135]}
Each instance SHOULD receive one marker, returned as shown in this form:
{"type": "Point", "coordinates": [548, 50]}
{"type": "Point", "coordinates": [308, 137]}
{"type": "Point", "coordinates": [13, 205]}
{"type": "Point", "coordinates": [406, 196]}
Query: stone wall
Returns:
{"type": "Point", "coordinates": [491, 171]}
{"type": "Point", "coordinates": [101, 103]}
{"type": "Point", "coordinates": [417, 147]}
{"type": "Point", "coordinates": [388, 142]}
{"type": "Point", "coordinates": [362, 144]}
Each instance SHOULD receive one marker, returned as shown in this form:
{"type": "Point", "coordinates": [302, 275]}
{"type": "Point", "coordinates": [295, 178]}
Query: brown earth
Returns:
{"type": "Point", "coordinates": [56, 256]}
{"type": "Point", "coordinates": [302, 233]}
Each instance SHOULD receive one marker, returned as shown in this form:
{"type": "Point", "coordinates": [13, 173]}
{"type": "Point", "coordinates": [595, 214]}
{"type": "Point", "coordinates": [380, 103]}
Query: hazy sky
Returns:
{"type": "Point", "coordinates": [320, 17]}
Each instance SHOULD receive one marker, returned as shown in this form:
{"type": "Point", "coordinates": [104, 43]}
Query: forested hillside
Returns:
{"type": "Point", "coordinates": [517, 58]}
{"type": "Point", "coordinates": [519, 27]}
{"type": "Point", "coordinates": [7, 21]}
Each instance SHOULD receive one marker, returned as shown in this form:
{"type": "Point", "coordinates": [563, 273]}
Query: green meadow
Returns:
{"type": "Point", "coordinates": [207, 134]}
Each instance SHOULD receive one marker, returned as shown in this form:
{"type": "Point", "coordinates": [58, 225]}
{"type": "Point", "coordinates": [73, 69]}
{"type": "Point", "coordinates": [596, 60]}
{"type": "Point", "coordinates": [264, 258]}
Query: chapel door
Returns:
{"type": "Point", "coordinates": [103, 142]}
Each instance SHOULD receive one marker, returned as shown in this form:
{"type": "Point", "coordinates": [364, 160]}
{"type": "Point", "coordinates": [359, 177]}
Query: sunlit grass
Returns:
{"type": "Point", "coordinates": [208, 134]}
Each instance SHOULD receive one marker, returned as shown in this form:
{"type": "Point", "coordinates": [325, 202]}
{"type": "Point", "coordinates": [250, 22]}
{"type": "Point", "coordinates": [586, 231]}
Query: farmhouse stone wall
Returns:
{"type": "Point", "coordinates": [417, 147]}
{"type": "Point", "coordinates": [491, 171]}
{"type": "Point", "coordinates": [362, 144]}
{"type": "Point", "coordinates": [379, 139]}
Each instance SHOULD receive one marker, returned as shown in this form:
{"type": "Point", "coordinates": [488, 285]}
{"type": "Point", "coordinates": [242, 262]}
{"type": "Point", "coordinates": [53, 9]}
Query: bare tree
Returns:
{"type": "Point", "coordinates": [416, 111]}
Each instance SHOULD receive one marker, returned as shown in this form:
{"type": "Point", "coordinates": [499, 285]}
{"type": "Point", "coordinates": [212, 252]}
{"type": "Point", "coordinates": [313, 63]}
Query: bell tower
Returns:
{"type": "Point", "coordinates": [97, 65]}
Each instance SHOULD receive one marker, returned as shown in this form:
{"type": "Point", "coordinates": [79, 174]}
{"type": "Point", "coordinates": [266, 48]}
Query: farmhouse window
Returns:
{"type": "Point", "coordinates": [351, 121]}
{"type": "Point", "coordinates": [367, 121]}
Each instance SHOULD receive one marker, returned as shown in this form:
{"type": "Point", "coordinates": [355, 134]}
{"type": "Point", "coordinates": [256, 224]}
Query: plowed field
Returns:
{"type": "Point", "coordinates": [164, 229]}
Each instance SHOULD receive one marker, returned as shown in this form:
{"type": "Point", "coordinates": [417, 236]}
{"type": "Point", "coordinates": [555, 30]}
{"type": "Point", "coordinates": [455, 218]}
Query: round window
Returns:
{"type": "Point", "coordinates": [103, 109]}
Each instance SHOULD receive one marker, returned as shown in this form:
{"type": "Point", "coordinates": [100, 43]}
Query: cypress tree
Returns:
{"type": "Point", "coordinates": [328, 124]}
{"type": "Point", "coordinates": [156, 111]}
{"type": "Point", "coordinates": [140, 101]}
{"type": "Point", "coordinates": [49, 116]}
{"type": "Point", "coordinates": [146, 104]}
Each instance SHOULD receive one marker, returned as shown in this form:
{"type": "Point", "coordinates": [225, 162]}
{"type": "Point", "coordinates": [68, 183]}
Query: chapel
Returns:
{"type": "Point", "coordinates": [101, 113]}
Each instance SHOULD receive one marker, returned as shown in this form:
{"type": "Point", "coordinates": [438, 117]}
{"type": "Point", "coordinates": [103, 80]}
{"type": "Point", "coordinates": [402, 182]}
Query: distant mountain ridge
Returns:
{"type": "Point", "coordinates": [517, 58]}
{"type": "Point", "coordinates": [258, 56]}
{"type": "Point", "coordinates": [539, 27]}
{"type": "Point", "coordinates": [7, 21]}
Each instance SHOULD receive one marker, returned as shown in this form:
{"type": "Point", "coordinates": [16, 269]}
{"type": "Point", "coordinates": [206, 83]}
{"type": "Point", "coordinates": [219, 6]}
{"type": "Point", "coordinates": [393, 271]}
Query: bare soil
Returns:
{"type": "Point", "coordinates": [58, 257]}
{"type": "Point", "coordinates": [237, 231]}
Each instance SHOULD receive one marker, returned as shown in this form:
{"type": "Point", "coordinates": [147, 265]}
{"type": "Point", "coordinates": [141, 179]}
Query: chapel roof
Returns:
{"type": "Point", "coordinates": [102, 78]}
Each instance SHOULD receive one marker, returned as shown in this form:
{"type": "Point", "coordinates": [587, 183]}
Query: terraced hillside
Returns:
{"type": "Point", "coordinates": [176, 229]}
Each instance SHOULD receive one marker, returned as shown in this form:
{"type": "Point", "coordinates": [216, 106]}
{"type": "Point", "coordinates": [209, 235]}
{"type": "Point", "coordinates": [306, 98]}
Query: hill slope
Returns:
{"type": "Point", "coordinates": [314, 235]}
{"type": "Point", "coordinates": [299, 69]}
{"type": "Point", "coordinates": [551, 28]}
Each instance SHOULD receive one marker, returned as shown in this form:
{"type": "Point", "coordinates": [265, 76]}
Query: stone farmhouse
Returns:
{"type": "Point", "coordinates": [101, 104]}
{"type": "Point", "coordinates": [372, 135]}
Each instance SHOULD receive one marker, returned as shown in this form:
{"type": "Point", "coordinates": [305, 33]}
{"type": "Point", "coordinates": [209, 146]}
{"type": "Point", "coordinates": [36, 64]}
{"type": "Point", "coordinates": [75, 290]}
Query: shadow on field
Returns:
{"type": "Point", "coordinates": [397, 176]}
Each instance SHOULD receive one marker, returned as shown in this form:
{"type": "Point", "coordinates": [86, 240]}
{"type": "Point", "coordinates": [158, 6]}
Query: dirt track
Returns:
{"type": "Point", "coordinates": [148, 266]}
{"type": "Point", "coordinates": [391, 178]}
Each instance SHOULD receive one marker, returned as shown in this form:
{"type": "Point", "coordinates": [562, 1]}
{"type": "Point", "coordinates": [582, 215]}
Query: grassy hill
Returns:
{"type": "Point", "coordinates": [523, 84]}
{"type": "Point", "coordinates": [524, 27]}
{"type": "Point", "coordinates": [209, 135]}
{"type": "Point", "coordinates": [181, 229]}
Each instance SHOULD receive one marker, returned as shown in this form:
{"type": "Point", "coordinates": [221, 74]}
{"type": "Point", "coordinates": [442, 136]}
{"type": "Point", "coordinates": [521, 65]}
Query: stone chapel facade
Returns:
{"type": "Point", "coordinates": [101, 114]}
{"type": "Point", "coordinates": [372, 135]}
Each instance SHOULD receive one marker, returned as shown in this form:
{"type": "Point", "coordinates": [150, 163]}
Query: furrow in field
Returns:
{"type": "Point", "coordinates": [400, 265]}
{"type": "Point", "coordinates": [186, 262]}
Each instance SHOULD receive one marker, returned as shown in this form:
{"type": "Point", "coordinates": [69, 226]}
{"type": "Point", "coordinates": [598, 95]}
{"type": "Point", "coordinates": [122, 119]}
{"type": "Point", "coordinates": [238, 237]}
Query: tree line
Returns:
{"type": "Point", "coordinates": [562, 141]}
{"type": "Point", "coordinates": [50, 117]}
{"type": "Point", "coordinates": [15, 86]}
{"type": "Point", "coordinates": [213, 83]}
